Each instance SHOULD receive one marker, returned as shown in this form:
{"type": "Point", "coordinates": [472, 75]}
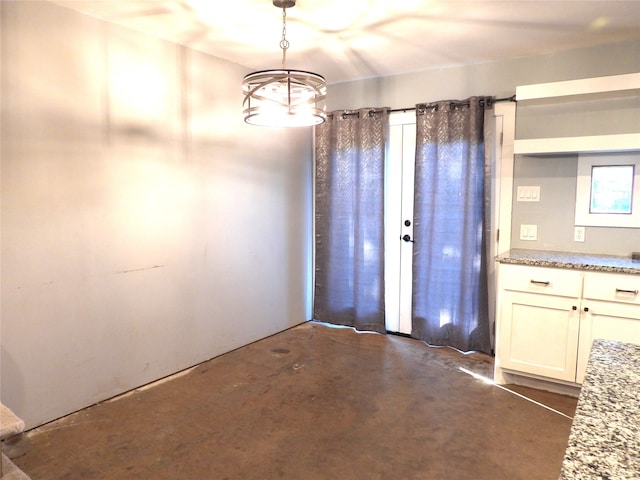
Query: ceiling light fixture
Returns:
{"type": "Point", "coordinates": [284, 98]}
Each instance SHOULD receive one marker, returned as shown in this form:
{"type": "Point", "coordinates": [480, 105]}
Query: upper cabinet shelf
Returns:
{"type": "Point", "coordinates": [559, 93]}
{"type": "Point", "coordinates": [585, 86]}
{"type": "Point", "coordinates": [595, 143]}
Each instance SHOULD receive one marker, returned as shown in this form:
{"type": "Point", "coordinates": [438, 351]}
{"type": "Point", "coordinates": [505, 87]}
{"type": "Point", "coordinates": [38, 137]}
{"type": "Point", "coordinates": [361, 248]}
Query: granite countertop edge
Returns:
{"type": "Point", "coordinates": [604, 441]}
{"type": "Point", "coordinates": [570, 260]}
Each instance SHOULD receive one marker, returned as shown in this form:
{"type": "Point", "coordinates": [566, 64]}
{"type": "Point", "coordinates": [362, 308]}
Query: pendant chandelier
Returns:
{"type": "Point", "coordinates": [284, 98]}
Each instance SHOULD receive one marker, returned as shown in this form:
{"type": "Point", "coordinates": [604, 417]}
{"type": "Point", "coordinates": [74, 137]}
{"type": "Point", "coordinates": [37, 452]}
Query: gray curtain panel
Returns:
{"type": "Point", "coordinates": [450, 299]}
{"type": "Point", "coordinates": [349, 219]}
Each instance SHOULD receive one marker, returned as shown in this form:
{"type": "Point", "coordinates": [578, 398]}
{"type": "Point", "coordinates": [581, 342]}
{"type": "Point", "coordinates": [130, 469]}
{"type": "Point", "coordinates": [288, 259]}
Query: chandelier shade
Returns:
{"type": "Point", "coordinates": [283, 97]}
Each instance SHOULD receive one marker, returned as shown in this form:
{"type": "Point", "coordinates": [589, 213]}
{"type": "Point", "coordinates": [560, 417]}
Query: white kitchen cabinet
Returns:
{"type": "Point", "coordinates": [610, 309]}
{"type": "Point", "coordinates": [539, 335]}
{"type": "Point", "coordinates": [539, 321]}
{"type": "Point", "coordinates": [548, 319]}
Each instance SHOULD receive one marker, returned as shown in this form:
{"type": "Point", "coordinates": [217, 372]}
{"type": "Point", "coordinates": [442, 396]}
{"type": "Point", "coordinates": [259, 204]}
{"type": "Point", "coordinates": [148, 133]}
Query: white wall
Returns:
{"type": "Point", "coordinates": [555, 215]}
{"type": "Point", "coordinates": [495, 78]}
{"type": "Point", "coordinates": [555, 212]}
{"type": "Point", "coordinates": [145, 227]}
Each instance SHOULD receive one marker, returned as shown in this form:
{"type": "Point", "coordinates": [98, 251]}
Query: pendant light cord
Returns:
{"type": "Point", "coordinates": [284, 43]}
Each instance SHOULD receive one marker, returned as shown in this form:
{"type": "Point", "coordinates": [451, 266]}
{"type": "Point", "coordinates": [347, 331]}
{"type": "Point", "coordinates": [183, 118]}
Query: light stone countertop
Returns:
{"type": "Point", "coordinates": [604, 442]}
{"type": "Point", "coordinates": [578, 261]}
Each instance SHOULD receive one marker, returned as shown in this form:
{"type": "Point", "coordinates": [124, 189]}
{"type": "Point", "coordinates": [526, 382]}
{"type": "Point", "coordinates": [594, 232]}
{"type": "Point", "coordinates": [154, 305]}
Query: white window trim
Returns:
{"type": "Point", "coordinates": [583, 190]}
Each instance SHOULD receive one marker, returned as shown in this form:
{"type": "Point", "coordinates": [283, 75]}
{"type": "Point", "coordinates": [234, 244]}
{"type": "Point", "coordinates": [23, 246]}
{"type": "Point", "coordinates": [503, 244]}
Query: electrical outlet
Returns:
{"type": "Point", "coordinates": [578, 234]}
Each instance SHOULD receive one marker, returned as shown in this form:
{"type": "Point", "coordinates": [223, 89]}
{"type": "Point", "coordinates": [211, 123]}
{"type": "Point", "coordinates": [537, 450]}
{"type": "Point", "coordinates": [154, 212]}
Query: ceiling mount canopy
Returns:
{"type": "Point", "coordinates": [283, 97]}
{"type": "Point", "coordinates": [284, 3]}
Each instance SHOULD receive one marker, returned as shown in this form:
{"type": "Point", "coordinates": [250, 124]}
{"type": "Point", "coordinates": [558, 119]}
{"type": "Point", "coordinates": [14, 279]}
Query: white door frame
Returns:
{"type": "Point", "coordinates": [502, 162]}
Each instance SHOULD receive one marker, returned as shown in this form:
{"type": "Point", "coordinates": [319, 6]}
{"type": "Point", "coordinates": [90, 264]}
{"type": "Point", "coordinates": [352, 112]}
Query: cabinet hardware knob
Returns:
{"type": "Point", "coordinates": [540, 282]}
{"type": "Point", "coordinates": [586, 309]}
{"type": "Point", "coordinates": [574, 308]}
{"type": "Point", "coordinates": [622, 290]}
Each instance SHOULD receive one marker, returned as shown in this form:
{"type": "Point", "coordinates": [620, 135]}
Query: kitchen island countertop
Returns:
{"type": "Point", "coordinates": [604, 442]}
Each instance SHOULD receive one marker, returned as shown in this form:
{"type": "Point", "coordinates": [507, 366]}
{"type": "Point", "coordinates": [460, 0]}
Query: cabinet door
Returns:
{"type": "Point", "coordinates": [607, 320]}
{"type": "Point", "coordinates": [539, 335]}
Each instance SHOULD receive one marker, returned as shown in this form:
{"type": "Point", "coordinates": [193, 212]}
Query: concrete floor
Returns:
{"type": "Point", "coordinates": [313, 402]}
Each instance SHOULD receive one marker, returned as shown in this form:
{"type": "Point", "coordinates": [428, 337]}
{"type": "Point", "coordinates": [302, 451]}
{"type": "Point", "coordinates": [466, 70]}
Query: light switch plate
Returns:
{"type": "Point", "coordinates": [528, 193]}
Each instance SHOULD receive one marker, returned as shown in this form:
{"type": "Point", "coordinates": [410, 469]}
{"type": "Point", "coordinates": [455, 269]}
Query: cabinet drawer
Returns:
{"type": "Point", "coordinates": [545, 281]}
{"type": "Point", "coordinates": [611, 287]}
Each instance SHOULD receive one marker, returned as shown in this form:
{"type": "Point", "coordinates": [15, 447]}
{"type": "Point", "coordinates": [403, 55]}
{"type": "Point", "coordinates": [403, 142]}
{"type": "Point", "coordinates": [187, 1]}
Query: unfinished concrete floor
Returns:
{"type": "Point", "coordinates": [313, 402]}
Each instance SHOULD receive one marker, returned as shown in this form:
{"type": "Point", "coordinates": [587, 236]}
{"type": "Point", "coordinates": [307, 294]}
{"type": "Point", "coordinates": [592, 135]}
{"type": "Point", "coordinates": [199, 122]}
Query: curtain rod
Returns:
{"type": "Point", "coordinates": [492, 100]}
{"type": "Point", "coordinates": [372, 112]}
{"type": "Point", "coordinates": [512, 98]}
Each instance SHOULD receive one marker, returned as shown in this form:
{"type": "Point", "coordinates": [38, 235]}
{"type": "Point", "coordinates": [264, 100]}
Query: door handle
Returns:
{"type": "Point", "coordinates": [407, 238]}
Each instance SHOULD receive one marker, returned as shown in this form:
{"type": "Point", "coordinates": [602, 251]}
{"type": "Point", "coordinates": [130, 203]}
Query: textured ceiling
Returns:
{"type": "Point", "coordinates": [351, 39]}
